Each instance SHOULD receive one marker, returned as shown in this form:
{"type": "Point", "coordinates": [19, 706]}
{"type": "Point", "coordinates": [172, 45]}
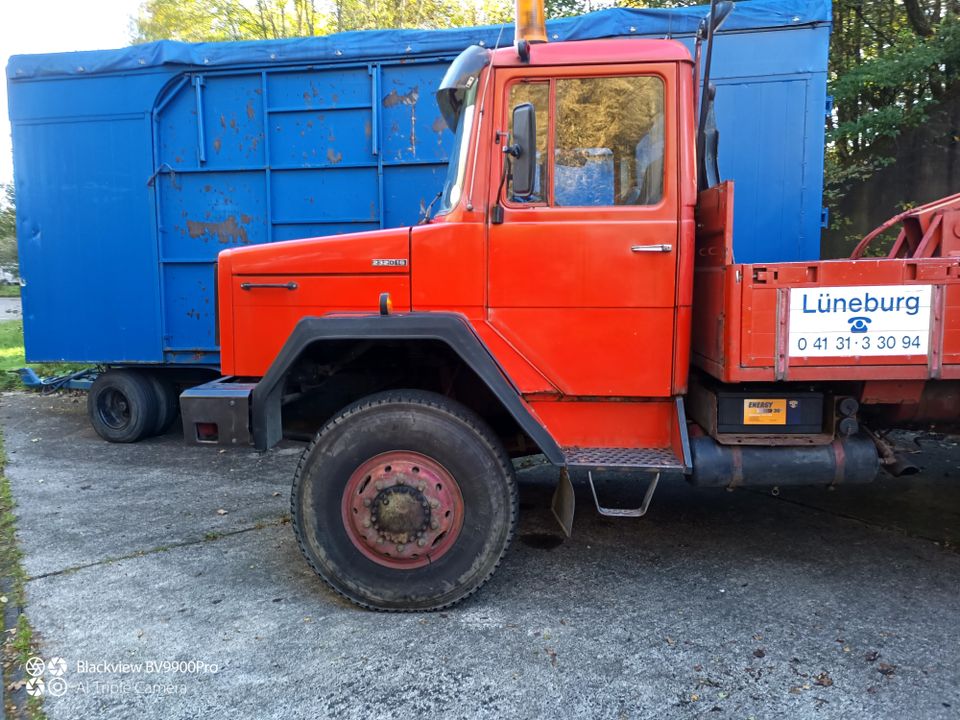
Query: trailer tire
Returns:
{"type": "Point", "coordinates": [122, 406]}
{"type": "Point", "coordinates": [168, 403]}
{"type": "Point", "coordinates": [453, 493]}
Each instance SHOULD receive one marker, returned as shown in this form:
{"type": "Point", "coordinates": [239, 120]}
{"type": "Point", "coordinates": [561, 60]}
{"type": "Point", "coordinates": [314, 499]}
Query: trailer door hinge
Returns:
{"type": "Point", "coordinates": [762, 275]}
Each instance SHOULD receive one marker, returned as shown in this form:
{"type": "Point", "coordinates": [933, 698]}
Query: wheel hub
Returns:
{"type": "Point", "coordinates": [401, 514]}
{"type": "Point", "coordinates": [402, 509]}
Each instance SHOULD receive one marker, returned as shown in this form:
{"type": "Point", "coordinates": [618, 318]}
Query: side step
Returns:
{"type": "Point", "coordinates": [652, 459]}
{"type": "Point", "coordinates": [617, 512]}
{"type": "Point", "coordinates": [649, 461]}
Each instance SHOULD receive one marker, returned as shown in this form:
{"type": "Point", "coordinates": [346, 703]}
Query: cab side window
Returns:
{"type": "Point", "coordinates": [538, 94]}
{"type": "Point", "coordinates": [609, 144]}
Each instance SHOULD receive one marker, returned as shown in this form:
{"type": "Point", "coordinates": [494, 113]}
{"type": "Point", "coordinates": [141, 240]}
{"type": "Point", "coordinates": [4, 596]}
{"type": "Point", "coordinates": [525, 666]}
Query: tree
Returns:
{"type": "Point", "coordinates": [203, 20]}
{"type": "Point", "coordinates": [8, 228]}
{"type": "Point", "coordinates": [891, 64]}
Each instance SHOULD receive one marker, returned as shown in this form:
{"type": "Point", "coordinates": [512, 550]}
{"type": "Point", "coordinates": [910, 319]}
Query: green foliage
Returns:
{"type": "Point", "coordinates": [207, 20]}
{"type": "Point", "coordinates": [12, 357]}
{"type": "Point", "coordinates": [891, 64]}
{"type": "Point", "coordinates": [8, 229]}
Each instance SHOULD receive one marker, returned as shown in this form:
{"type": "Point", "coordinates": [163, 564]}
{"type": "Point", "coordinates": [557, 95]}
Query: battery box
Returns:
{"type": "Point", "coordinates": [769, 413]}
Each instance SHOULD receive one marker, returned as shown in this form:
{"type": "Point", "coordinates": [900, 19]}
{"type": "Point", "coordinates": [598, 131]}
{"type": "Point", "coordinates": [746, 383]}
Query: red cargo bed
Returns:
{"type": "Point", "coordinates": [891, 318]}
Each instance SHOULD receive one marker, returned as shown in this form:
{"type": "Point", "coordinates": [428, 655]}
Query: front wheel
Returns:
{"type": "Point", "coordinates": [404, 501]}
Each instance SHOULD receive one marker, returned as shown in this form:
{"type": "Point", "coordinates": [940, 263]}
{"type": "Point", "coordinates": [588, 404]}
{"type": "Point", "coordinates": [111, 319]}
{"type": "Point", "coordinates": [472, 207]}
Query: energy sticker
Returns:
{"type": "Point", "coordinates": [875, 320]}
{"type": "Point", "coordinates": [765, 412]}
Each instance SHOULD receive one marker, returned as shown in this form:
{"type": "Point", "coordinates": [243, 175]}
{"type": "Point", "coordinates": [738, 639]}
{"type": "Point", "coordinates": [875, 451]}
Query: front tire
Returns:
{"type": "Point", "coordinates": [404, 501]}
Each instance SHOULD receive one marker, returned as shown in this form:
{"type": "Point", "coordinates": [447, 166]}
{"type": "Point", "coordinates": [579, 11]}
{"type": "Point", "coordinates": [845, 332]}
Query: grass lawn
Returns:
{"type": "Point", "coordinates": [9, 290]}
{"type": "Point", "coordinates": [12, 357]}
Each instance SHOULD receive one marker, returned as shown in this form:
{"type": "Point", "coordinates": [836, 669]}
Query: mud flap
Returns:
{"type": "Point", "coordinates": [564, 503]}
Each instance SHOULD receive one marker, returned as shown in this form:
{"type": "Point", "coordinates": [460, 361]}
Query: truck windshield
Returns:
{"type": "Point", "coordinates": [453, 186]}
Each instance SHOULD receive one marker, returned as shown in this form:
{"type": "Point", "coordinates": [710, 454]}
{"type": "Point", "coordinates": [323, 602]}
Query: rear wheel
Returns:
{"type": "Point", "coordinates": [168, 403]}
{"type": "Point", "coordinates": [122, 406]}
{"type": "Point", "coordinates": [404, 501]}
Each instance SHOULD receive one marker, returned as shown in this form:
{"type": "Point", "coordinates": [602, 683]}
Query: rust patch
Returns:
{"type": "Point", "coordinates": [367, 129]}
{"type": "Point", "coordinates": [226, 231]}
{"type": "Point", "coordinates": [178, 159]}
{"type": "Point", "coordinates": [233, 123]}
{"type": "Point", "coordinates": [206, 188]}
{"type": "Point", "coordinates": [223, 121]}
{"type": "Point", "coordinates": [245, 219]}
{"type": "Point", "coordinates": [306, 97]}
{"type": "Point", "coordinates": [409, 99]}
{"type": "Point", "coordinates": [373, 210]}
{"type": "Point", "coordinates": [333, 156]}
{"type": "Point", "coordinates": [334, 98]}
{"type": "Point", "coordinates": [217, 144]}
{"type": "Point", "coordinates": [439, 125]}
{"type": "Point", "coordinates": [250, 112]}
{"type": "Point", "coordinates": [394, 98]}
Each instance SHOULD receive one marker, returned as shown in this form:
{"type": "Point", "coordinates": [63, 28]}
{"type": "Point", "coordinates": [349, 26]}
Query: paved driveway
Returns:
{"type": "Point", "coordinates": [168, 579]}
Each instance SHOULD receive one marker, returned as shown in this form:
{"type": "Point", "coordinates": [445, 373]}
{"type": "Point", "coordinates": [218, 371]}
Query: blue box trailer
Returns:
{"type": "Point", "coordinates": [135, 167]}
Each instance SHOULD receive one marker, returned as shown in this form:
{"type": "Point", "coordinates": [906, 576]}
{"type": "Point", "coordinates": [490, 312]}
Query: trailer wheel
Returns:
{"type": "Point", "coordinates": [404, 501]}
{"type": "Point", "coordinates": [168, 403]}
{"type": "Point", "coordinates": [122, 406]}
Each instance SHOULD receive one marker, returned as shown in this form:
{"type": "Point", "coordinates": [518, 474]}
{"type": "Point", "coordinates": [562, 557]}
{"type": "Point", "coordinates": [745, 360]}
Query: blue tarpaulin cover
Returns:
{"type": "Point", "coordinates": [362, 44]}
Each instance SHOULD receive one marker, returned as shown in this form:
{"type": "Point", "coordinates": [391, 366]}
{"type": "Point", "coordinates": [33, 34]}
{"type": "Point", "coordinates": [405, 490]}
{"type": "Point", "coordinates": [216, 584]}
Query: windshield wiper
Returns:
{"type": "Point", "coordinates": [425, 213]}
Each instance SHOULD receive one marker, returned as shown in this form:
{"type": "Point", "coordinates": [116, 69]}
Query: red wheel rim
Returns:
{"type": "Point", "coordinates": [402, 510]}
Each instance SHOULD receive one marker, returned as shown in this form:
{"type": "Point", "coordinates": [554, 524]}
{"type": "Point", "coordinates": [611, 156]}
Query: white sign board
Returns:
{"type": "Point", "coordinates": [863, 320]}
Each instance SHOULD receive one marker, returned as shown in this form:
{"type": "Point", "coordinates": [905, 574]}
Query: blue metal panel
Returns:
{"type": "Point", "coordinates": [85, 230]}
{"type": "Point", "coordinates": [768, 194]}
{"type": "Point", "coordinates": [332, 195]}
{"type": "Point", "coordinates": [408, 189]}
{"type": "Point", "coordinates": [771, 100]}
{"type": "Point", "coordinates": [268, 141]}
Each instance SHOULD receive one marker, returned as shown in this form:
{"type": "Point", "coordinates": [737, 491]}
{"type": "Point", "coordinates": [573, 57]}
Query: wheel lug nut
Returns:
{"type": "Point", "coordinates": [366, 523]}
{"type": "Point", "coordinates": [379, 485]}
{"type": "Point", "coordinates": [434, 525]}
{"type": "Point", "coordinates": [399, 481]}
{"type": "Point", "coordinates": [380, 540]}
{"type": "Point", "coordinates": [366, 502]}
{"type": "Point", "coordinates": [421, 487]}
{"type": "Point", "coordinates": [434, 503]}
{"type": "Point", "coordinates": [421, 542]}
{"type": "Point", "coordinates": [400, 548]}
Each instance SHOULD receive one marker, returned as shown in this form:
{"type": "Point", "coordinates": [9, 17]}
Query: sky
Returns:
{"type": "Point", "coordinates": [46, 26]}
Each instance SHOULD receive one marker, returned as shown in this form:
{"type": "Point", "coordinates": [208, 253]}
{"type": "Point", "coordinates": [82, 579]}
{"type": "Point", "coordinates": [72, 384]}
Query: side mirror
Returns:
{"type": "Point", "coordinates": [524, 150]}
{"type": "Point", "coordinates": [720, 14]}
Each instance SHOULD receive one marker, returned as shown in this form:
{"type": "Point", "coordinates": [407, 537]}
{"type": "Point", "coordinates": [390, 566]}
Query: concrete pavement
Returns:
{"type": "Point", "coordinates": [168, 579]}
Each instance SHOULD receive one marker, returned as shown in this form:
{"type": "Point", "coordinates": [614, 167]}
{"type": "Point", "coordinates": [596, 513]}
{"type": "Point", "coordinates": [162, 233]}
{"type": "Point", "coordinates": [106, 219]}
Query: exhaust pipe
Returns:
{"type": "Point", "coordinates": [849, 460]}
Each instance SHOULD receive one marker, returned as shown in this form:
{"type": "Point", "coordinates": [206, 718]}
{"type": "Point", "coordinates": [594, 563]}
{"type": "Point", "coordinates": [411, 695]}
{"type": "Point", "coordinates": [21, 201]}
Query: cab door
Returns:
{"type": "Point", "coordinates": [582, 274]}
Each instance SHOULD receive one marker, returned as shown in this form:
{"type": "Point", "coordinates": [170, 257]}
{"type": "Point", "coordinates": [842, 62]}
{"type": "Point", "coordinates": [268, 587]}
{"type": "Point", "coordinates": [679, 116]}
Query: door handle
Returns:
{"type": "Point", "coordinates": [281, 286]}
{"type": "Point", "coordinates": [659, 247]}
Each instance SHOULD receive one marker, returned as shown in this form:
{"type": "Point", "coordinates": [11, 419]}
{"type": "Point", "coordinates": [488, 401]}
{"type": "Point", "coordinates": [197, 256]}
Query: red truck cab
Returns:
{"type": "Point", "coordinates": [548, 308]}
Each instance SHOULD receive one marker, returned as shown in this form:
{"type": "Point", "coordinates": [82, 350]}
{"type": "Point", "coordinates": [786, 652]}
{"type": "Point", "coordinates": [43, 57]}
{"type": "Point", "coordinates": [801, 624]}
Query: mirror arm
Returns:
{"type": "Point", "coordinates": [496, 212]}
